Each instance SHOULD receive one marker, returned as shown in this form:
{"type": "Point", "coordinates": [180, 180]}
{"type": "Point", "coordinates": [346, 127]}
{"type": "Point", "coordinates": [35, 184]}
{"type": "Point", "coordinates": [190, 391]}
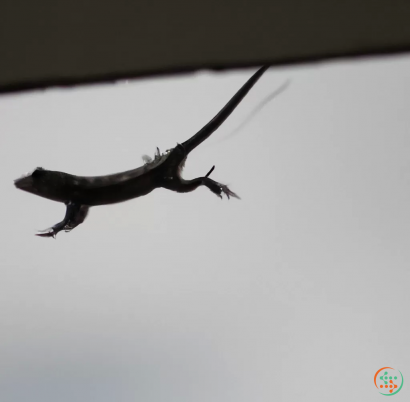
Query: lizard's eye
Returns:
{"type": "Point", "coordinates": [37, 172]}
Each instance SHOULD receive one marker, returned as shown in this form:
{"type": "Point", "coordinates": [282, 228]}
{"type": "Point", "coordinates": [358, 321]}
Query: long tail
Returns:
{"type": "Point", "coordinates": [214, 124]}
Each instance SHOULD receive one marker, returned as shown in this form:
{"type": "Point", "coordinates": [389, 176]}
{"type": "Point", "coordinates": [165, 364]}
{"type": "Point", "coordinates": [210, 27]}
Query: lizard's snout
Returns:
{"type": "Point", "coordinates": [24, 183]}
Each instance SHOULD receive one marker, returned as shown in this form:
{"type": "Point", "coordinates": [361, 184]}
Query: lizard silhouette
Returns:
{"type": "Point", "coordinates": [79, 193]}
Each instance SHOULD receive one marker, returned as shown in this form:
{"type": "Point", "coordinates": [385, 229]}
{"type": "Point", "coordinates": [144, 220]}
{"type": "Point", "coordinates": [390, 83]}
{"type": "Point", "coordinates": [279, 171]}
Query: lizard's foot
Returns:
{"type": "Point", "coordinates": [228, 192]}
{"type": "Point", "coordinates": [219, 189]}
{"type": "Point", "coordinates": [50, 232]}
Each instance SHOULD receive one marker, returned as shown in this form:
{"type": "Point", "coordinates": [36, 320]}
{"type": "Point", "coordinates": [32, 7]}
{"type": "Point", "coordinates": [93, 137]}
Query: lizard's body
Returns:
{"type": "Point", "coordinates": [81, 192]}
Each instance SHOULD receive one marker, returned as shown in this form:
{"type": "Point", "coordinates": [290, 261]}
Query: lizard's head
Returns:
{"type": "Point", "coordinates": [34, 182]}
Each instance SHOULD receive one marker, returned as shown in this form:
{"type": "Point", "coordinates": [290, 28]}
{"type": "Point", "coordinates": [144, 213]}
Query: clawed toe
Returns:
{"type": "Point", "coordinates": [228, 192]}
{"type": "Point", "coordinates": [50, 232]}
{"type": "Point", "coordinates": [218, 188]}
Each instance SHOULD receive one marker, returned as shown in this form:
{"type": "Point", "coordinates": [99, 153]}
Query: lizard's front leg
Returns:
{"type": "Point", "coordinates": [75, 214]}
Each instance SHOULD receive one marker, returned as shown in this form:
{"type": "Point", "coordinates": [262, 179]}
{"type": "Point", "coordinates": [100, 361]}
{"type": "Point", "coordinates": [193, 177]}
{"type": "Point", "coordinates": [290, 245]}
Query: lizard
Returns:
{"type": "Point", "coordinates": [79, 193]}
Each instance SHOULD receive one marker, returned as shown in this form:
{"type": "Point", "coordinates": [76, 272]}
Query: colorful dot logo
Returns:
{"type": "Point", "coordinates": [388, 381]}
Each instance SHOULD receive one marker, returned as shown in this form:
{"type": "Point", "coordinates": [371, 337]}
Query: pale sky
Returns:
{"type": "Point", "coordinates": [297, 292]}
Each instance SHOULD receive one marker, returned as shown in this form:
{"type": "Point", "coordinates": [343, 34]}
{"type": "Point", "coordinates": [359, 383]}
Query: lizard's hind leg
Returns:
{"type": "Point", "coordinates": [218, 188]}
{"type": "Point", "coordinates": [186, 186]}
{"type": "Point", "coordinates": [180, 185]}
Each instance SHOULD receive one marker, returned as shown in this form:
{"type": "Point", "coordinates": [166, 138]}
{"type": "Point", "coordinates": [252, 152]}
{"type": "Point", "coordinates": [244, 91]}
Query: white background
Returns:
{"type": "Point", "coordinates": [297, 292]}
